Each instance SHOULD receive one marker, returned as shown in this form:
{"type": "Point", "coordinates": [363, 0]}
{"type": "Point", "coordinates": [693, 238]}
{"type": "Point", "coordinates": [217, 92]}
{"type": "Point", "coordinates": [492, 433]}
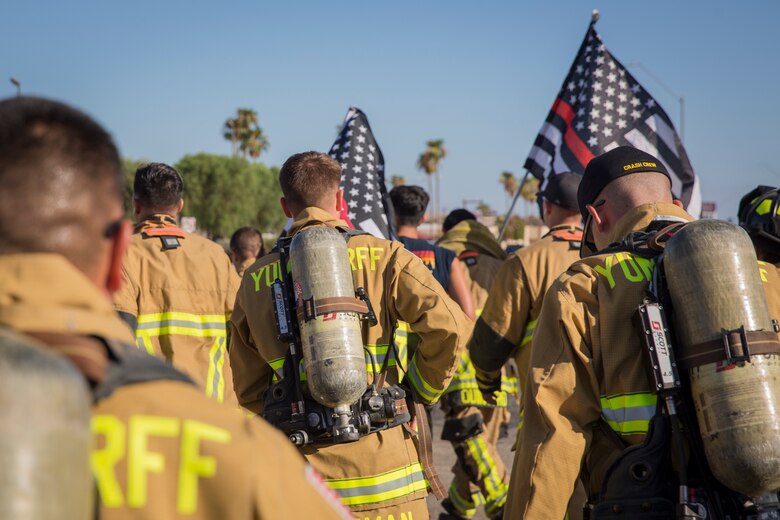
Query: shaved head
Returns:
{"type": "Point", "coordinates": [627, 192]}
{"type": "Point", "coordinates": [61, 181]}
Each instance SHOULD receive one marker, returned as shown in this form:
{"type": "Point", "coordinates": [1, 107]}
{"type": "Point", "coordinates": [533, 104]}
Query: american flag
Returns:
{"type": "Point", "coordinates": [601, 106]}
{"type": "Point", "coordinates": [362, 175]}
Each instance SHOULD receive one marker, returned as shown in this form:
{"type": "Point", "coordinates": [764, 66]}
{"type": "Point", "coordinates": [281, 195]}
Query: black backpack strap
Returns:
{"type": "Point", "coordinates": [128, 365]}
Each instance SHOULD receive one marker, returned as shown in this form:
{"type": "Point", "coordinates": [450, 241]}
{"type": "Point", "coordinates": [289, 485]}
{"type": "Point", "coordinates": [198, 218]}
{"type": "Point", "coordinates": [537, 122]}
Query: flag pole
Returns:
{"type": "Point", "coordinates": [512, 207]}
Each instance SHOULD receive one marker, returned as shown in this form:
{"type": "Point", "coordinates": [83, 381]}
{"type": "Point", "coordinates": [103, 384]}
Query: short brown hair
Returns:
{"type": "Point", "coordinates": [61, 180]}
{"type": "Point", "coordinates": [306, 177]}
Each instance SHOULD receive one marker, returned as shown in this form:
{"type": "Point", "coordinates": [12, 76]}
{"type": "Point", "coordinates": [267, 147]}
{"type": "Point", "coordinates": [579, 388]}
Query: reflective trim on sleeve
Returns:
{"type": "Point", "coordinates": [528, 333]}
{"type": "Point", "coordinates": [401, 340]}
{"type": "Point", "coordinates": [629, 414]}
{"type": "Point", "coordinates": [423, 387]}
{"type": "Point", "coordinates": [380, 488]}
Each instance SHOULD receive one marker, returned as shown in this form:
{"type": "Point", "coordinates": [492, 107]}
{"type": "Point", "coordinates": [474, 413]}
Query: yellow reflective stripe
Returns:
{"type": "Point", "coordinates": [765, 207]}
{"type": "Point", "coordinates": [380, 352]}
{"type": "Point", "coordinates": [379, 488]}
{"type": "Point", "coordinates": [423, 387]}
{"type": "Point", "coordinates": [480, 457]}
{"type": "Point", "coordinates": [215, 380]}
{"type": "Point", "coordinates": [520, 420]}
{"type": "Point", "coordinates": [182, 324]}
{"type": "Point", "coordinates": [401, 340]}
{"type": "Point", "coordinates": [143, 342]}
{"type": "Point", "coordinates": [528, 334]}
{"type": "Point", "coordinates": [629, 414]}
{"type": "Point", "coordinates": [465, 506]}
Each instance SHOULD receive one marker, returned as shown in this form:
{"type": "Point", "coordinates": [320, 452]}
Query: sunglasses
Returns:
{"type": "Point", "coordinates": [112, 229]}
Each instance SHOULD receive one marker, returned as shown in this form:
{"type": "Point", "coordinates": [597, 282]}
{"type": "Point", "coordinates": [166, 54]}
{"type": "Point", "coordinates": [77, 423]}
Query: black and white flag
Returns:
{"type": "Point", "coordinates": [362, 176]}
{"type": "Point", "coordinates": [601, 106]}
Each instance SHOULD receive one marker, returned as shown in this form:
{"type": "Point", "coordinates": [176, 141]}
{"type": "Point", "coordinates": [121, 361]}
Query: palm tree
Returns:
{"type": "Point", "coordinates": [484, 209]}
{"type": "Point", "coordinates": [397, 180]}
{"type": "Point", "coordinates": [509, 181]}
{"type": "Point", "coordinates": [245, 134]}
{"type": "Point", "coordinates": [530, 189]}
{"type": "Point", "coordinates": [428, 162]}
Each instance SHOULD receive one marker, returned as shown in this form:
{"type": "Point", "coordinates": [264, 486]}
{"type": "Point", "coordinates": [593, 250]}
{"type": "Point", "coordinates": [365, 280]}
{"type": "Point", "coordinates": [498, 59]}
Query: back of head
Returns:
{"type": "Point", "coordinates": [61, 181]}
{"type": "Point", "coordinates": [158, 188]}
{"type": "Point", "coordinates": [759, 215]}
{"type": "Point", "coordinates": [409, 203]}
{"type": "Point", "coordinates": [628, 177]}
{"type": "Point", "coordinates": [309, 179]}
{"type": "Point", "coordinates": [247, 242]}
{"type": "Point", "coordinates": [455, 217]}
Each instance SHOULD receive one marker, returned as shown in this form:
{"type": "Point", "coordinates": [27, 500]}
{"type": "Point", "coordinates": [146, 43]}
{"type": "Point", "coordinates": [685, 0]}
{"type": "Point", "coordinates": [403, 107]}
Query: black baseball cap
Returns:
{"type": "Point", "coordinates": [620, 161]}
{"type": "Point", "coordinates": [561, 190]}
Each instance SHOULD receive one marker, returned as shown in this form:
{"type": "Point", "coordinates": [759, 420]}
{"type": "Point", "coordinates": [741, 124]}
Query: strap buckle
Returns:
{"type": "Point", "coordinates": [735, 353]}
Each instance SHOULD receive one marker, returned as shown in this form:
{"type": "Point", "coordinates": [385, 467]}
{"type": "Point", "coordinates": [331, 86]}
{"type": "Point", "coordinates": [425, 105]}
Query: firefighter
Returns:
{"type": "Point", "coordinates": [246, 246]}
{"type": "Point", "coordinates": [589, 393]}
{"type": "Point", "coordinates": [381, 475]}
{"type": "Point", "coordinates": [759, 215]}
{"type": "Point", "coordinates": [178, 288]}
{"type": "Point", "coordinates": [473, 424]}
{"type": "Point", "coordinates": [161, 448]}
{"type": "Point", "coordinates": [410, 203]}
{"type": "Point", "coordinates": [508, 321]}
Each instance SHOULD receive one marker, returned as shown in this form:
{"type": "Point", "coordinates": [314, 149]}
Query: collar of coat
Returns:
{"type": "Point", "coordinates": [642, 216]}
{"type": "Point", "coordinates": [470, 235]}
{"type": "Point", "coordinates": [44, 292]}
{"type": "Point", "coordinates": [313, 216]}
{"type": "Point", "coordinates": [156, 221]}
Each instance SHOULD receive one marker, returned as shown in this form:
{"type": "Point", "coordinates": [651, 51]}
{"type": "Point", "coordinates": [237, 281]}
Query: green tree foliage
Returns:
{"type": "Point", "coordinates": [225, 193]}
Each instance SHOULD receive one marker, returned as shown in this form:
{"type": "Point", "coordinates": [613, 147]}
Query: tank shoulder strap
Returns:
{"type": "Point", "coordinates": [348, 232]}
{"type": "Point", "coordinates": [128, 365]}
{"type": "Point", "coordinates": [649, 243]}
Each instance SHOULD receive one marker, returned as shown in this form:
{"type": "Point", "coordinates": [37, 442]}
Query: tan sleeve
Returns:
{"type": "Point", "coordinates": [251, 375]}
{"type": "Point", "coordinates": [292, 489]}
{"type": "Point", "coordinates": [233, 283]}
{"type": "Point", "coordinates": [561, 400]}
{"type": "Point", "coordinates": [501, 328]}
{"type": "Point", "coordinates": [126, 298]}
{"type": "Point", "coordinates": [420, 300]}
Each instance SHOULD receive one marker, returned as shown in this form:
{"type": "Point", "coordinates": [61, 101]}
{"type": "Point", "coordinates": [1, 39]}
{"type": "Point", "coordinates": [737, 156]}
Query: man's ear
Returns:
{"type": "Point", "coordinates": [546, 207]}
{"type": "Point", "coordinates": [119, 243]}
{"type": "Point", "coordinates": [596, 218]}
{"type": "Point", "coordinates": [339, 200]}
{"type": "Point", "coordinates": [678, 203]}
{"type": "Point", "coordinates": [285, 207]}
{"type": "Point", "coordinates": [181, 205]}
{"type": "Point", "coordinates": [136, 208]}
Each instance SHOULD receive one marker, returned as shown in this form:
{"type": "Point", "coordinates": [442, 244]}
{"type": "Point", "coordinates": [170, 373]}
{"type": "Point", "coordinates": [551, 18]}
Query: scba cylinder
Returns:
{"type": "Point", "coordinates": [332, 342]}
{"type": "Point", "coordinates": [714, 283]}
{"type": "Point", "coordinates": [44, 435]}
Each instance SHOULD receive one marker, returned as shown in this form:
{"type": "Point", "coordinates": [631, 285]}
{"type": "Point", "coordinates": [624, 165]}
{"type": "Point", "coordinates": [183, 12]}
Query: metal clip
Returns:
{"type": "Point", "coordinates": [731, 357]}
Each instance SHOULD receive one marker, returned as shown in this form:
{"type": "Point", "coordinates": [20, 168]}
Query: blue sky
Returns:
{"type": "Point", "coordinates": [163, 76]}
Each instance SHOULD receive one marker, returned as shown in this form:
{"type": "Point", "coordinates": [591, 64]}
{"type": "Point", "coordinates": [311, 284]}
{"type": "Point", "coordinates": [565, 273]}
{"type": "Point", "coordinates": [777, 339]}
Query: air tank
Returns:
{"type": "Point", "coordinates": [714, 283]}
{"type": "Point", "coordinates": [44, 435]}
{"type": "Point", "coordinates": [332, 343]}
